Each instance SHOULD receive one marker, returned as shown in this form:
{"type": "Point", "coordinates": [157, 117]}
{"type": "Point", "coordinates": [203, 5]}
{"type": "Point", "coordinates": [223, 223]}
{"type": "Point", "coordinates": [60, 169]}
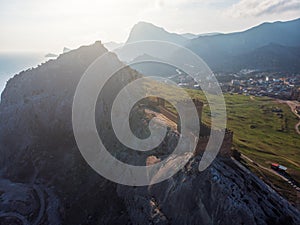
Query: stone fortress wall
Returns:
{"type": "Point", "coordinates": [205, 130]}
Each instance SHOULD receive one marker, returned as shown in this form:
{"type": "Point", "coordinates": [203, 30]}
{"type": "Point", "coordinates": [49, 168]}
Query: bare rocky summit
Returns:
{"type": "Point", "coordinates": [45, 180]}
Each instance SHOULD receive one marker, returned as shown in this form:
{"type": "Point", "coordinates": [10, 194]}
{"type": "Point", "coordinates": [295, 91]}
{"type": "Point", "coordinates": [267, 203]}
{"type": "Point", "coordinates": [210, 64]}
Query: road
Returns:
{"type": "Point", "coordinates": [263, 167]}
{"type": "Point", "coordinates": [270, 170]}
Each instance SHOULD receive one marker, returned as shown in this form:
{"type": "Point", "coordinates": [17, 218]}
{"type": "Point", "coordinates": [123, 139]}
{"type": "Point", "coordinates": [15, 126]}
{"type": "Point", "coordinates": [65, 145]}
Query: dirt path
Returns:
{"type": "Point", "coordinates": [271, 171]}
{"type": "Point", "coordinates": [263, 167]}
{"type": "Point", "coordinates": [292, 105]}
{"type": "Point", "coordinates": [297, 127]}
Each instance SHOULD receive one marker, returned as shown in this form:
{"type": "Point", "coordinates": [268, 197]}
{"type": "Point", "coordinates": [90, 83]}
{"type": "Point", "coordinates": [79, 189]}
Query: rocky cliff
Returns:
{"type": "Point", "coordinates": [45, 180]}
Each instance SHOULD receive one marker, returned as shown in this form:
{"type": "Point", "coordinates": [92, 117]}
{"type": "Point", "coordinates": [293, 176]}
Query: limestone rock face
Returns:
{"type": "Point", "coordinates": [225, 193]}
{"type": "Point", "coordinates": [45, 180]}
{"type": "Point", "coordinates": [37, 145]}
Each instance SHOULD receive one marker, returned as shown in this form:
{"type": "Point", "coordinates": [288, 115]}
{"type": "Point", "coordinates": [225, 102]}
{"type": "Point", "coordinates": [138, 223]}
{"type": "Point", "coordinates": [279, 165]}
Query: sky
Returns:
{"type": "Point", "coordinates": [48, 26]}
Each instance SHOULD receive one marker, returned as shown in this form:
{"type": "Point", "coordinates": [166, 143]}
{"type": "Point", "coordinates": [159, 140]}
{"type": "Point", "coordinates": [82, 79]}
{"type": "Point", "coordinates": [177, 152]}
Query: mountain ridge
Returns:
{"type": "Point", "coordinates": [224, 52]}
{"type": "Point", "coordinates": [147, 31]}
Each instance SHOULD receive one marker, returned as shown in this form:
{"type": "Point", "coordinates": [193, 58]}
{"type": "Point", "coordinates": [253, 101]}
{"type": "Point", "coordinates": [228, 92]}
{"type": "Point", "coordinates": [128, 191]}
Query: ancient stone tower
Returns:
{"type": "Point", "coordinates": [205, 130]}
{"type": "Point", "coordinates": [188, 110]}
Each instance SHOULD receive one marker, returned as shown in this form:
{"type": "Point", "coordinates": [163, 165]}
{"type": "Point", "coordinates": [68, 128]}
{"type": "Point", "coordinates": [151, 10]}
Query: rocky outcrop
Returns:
{"type": "Point", "coordinates": [45, 180]}
{"type": "Point", "coordinates": [28, 204]}
{"type": "Point", "coordinates": [225, 193]}
{"type": "Point", "coordinates": [37, 143]}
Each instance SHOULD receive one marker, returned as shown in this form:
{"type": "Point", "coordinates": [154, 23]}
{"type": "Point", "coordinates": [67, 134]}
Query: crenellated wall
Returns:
{"type": "Point", "coordinates": [205, 130]}
{"type": "Point", "coordinates": [225, 149]}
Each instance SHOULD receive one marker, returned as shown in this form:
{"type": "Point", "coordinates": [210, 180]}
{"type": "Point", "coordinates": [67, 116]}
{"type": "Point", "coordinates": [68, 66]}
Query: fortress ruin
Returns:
{"type": "Point", "coordinates": [160, 105]}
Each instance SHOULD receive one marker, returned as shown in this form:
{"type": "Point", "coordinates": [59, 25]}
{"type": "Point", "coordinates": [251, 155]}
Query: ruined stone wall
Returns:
{"type": "Point", "coordinates": [205, 130]}
{"type": "Point", "coordinates": [170, 115]}
{"type": "Point", "coordinates": [227, 144]}
{"type": "Point", "coordinates": [225, 149]}
{"type": "Point", "coordinates": [159, 103]}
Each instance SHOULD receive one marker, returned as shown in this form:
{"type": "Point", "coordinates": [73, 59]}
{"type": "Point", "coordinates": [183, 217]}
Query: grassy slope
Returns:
{"type": "Point", "coordinates": [259, 133]}
{"type": "Point", "coordinates": [262, 135]}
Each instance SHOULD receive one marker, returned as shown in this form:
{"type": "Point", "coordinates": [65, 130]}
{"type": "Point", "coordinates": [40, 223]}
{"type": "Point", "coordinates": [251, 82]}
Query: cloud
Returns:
{"type": "Point", "coordinates": [187, 3]}
{"type": "Point", "coordinates": [246, 8]}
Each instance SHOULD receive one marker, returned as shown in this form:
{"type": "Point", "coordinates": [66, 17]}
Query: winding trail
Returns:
{"type": "Point", "coordinates": [268, 169]}
{"type": "Point", "coordinates": [292, 105]}
{"type": "Point", "coordinates": [297, 127]}
{"type": "Point", "coordinates": [263, 167]}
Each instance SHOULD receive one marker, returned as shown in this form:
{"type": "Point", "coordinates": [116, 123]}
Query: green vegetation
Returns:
{"type": "Point", "coordinates": [263, 135]}
{"type": "Point", "coordinates": [264, 130]}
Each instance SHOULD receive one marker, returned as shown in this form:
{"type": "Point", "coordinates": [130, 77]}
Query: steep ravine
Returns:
{"type": "Point", "coordinates": [45, 180]}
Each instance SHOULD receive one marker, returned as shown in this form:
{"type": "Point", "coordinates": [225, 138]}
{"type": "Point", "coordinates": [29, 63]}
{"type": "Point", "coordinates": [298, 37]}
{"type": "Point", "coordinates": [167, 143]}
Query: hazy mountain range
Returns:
{"type": "Point", "coordinates": [269, 46]}
{"type": "Point", "coordinates": [112, 45]}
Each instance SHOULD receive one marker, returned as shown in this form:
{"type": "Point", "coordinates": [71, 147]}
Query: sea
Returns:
{"type": "Point", "coordinates": [12, 63]}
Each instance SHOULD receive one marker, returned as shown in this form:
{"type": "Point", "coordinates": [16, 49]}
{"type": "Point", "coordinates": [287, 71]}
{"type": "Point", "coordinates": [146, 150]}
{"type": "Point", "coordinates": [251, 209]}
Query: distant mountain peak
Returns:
{"type": "Point", "coordinates": [144, 23]}
{"type": "Point", "coordinates": [189, 35]}
{"type": "Point", "coordinates": [65, 50]}
{"type": "Point", "coordinates": [232, 52]}
{"type": "Point", "coordinates": [112, 45]}
{"type": "Point", "coordinates": [51, 55]}
{"type": "Point", "coordinates": [147, 31]}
